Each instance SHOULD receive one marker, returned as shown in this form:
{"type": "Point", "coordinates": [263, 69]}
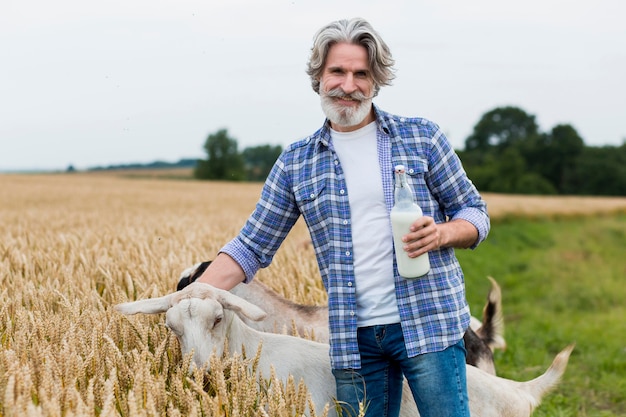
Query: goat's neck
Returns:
{"type": "Point", "coordinates": [242, 337]}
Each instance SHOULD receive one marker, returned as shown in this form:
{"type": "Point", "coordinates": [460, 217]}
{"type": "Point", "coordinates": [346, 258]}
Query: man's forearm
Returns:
{"type": "Point", "coordinates": [223, 273]}
{"type": "Point", "coordinates": [457, 233]}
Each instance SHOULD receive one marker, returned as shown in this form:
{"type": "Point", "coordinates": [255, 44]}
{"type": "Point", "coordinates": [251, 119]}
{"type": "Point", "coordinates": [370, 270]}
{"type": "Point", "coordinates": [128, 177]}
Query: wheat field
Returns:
{"type": "Point", "coordinates": [73, 245]}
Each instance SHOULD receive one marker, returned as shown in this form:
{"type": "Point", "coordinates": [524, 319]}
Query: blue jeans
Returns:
{"type": "Point", "coordinates": [437, 380]}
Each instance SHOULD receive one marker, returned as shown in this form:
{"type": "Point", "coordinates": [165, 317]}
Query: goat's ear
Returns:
{"type": "Point", "coordinates": [147, 306]}
{"type": "Point", "coordinates": [240, 306]}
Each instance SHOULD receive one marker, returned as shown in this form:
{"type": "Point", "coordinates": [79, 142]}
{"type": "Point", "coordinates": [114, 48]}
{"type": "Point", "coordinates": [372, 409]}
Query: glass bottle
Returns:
{"type": "Point", "coordinates": [404, 212]}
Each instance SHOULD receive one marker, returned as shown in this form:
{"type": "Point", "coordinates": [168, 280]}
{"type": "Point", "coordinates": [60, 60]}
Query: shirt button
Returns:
{"type": "Point", "coordinates": [345, 222]}
{"type": "Point", "coordinates": [352, 313]}
{"type": "Point", "coordinates": [312, 195]}
{"type": "Point", "coordinates": [411, 171]}
{"type": "Point", "coordinates": [350, 284]}
{"type": "Point", "coordinates": [347, 253]}
{"type": "Point", "coordinates": [342, 192]}
{"type": "Point", "coordinates": [336, 162]}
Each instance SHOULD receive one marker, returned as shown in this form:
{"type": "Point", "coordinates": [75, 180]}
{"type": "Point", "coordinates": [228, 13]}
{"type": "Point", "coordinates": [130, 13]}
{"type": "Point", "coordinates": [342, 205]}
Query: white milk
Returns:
{"type": "Point", "coordinates": [407, 267]}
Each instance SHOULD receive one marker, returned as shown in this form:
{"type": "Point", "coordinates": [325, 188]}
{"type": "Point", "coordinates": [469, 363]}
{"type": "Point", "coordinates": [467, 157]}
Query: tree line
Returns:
{"type": "Point", "coordinates": [505, 153]}
{"type": "Point", "coordinates": [225, 162]}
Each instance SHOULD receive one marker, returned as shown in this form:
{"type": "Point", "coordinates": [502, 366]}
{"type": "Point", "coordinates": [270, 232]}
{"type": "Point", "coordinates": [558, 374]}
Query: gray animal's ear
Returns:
{"type": "Point", "coordinates": [190, 275]}
{"type": "Point", "coordinates": [240, 306]}
{"type": "Point", "coordinates": [147, 306]}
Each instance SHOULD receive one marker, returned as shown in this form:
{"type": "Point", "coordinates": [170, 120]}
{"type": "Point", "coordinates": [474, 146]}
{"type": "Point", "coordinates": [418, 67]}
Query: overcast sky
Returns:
{"type": "Point", "coordinates": [91, 83]}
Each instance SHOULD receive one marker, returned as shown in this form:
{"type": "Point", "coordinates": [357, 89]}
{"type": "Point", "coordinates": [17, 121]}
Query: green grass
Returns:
{"type": "Point", "coordinates": [563, 280]}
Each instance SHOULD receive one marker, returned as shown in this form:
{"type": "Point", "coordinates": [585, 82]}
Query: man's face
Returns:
{"type": "Point", "coordinates": [346, 87]}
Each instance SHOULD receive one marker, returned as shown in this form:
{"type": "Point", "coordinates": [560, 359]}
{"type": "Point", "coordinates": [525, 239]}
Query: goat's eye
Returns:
{"type": "Point", "coordinates": [217, 321]}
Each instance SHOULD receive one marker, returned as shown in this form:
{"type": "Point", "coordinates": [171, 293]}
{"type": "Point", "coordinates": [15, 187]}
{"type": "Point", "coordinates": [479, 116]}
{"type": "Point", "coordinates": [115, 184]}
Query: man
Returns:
{"type": "Point", "coordinates": [340, 179]}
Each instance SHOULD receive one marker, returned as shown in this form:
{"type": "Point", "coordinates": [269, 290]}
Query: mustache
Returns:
{"type": "Point", "coordinates": [339, 93]}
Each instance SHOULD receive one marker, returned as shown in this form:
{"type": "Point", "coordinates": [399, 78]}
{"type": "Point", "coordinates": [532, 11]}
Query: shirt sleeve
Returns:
{"type": "Point", "coordinates": [268, 225]}
{"type": "Point", "coordinates": [455, 192]}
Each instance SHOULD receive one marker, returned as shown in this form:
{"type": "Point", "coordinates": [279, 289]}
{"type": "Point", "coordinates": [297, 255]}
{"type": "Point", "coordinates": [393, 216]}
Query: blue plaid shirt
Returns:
{"type": "Point", "coordinates": [307, 179]}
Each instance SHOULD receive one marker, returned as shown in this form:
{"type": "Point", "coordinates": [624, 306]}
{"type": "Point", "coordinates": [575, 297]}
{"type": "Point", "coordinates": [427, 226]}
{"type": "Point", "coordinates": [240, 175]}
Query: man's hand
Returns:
{"type": "Point", "coordinates": [426, 235]}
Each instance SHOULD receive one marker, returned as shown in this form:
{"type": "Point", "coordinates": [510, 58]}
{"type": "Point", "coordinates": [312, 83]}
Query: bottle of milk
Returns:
{"type": "Point", "coordinates": [403, 214]}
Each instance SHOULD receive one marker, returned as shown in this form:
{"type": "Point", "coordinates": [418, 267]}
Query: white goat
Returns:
{"type": "Point", "coordinates": [285, 316]}
{"type": "Point", "coordinates": [203, 318]}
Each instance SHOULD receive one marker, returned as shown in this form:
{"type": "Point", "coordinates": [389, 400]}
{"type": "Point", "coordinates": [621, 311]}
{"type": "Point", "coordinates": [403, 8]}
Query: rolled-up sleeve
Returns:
{"type": "Point", "coordinates": [479, 218]}
{"type": "Point", "coordinates": [243, 256]}
{"type": "Point", "coordinates": [454, 191]}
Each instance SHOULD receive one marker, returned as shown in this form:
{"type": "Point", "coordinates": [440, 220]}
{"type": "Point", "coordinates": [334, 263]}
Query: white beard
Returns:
{"type": "Point", "coordinates": [341, 115]}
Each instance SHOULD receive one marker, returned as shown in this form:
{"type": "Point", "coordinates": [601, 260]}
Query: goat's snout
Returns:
{"type": "Point", "coordinates": [199, 327]}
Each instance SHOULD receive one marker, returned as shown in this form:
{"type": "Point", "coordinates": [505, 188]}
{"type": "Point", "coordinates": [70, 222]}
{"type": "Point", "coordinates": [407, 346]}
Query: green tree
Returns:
{"type": "Point", "coordinates": [510, 167]}
{"type": "Point", "coordinates": [508, 173]}
{"type": "Point", "coordinates": [223, 160]}
{"type": "Point", "coordinates": [500, 128]}
{"type": "Point", "coordinates": [556, 155]}
{"type": "Point", "coordinates": [507, 153]}
{"type": "Point", "coordinates": [259, 160]}
{"type": "Point", "coordinates": [600, 171]}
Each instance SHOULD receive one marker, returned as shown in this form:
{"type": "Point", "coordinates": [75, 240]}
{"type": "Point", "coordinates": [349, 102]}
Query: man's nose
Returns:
{"type": "Point", "coordinates": [349, 86]}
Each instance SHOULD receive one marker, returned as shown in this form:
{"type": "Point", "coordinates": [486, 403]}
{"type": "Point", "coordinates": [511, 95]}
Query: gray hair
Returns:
{"type": "Point", "coordinates": [355, 31]}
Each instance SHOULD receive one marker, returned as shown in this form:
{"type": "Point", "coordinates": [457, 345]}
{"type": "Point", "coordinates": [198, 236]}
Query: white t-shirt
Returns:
{"type": "Point", "coordinates": [371, 228]}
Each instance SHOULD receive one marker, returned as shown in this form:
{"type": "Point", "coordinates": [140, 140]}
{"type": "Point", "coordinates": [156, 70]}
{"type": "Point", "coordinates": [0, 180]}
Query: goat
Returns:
{"type": "Point", "coordinates": [203, 318]}
{"type": "Point", "coordinates": [480, 339]}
